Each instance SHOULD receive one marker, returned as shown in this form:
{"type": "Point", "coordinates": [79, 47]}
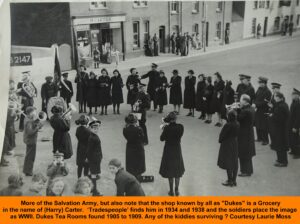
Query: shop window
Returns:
{"type": "Point", "coordinates": [138, 4]}
{"type": "Point", "coordinates": [146, 31]}
{"type": "Point", "coordinates": [195, 7]}
{"type": "Point", "coordinates": [253, 27]}
{"type": "Point", "coordinates": [174, 7]}
{"type": "Point", "coordinates": [219, 7]}
{"type": "Point", "coordinates": [277, 23]}
{"type": "Point", "coordinates": [255, 4]}
{"type": "Point", "coordinates": [136, 34]}
{"type": "Point", "coordinates": [218, 30]}
{"type": "Point", "coordinates": [298, 20]}
{"type": "Point", "coordinates": [84, 43]}
{"type": "Point", "coordinates": [267, 4]}
{"type": "Point", "coordinates": [261, 4]}
{"type": "Point", "coordinates": [195, 28]}
{"type": "Point", "coordinates": [98, 5]}
{"type": "Point", "coordinates": [284, 3]}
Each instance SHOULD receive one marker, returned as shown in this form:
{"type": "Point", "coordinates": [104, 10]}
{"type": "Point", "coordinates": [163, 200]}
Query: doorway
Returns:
{"type": "Point", "coordinates": [162, 34]}
{"type": "Point", "coordinates": [206, 34]}
{"type": "Point", "coordinates": [265, 27]}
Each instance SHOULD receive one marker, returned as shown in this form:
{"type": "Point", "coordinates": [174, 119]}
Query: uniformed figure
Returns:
{"type": "Point", "coordinates": [49, 89]}
{"type": "Point", "coordinates": [135, 153]}
{"type": "Point", "coordinates": [190, 93]}
{"type": "Point", "coordinates": [245, 87]}
{"type": "Point", "coordinates": [161, 91]}
{"type": "Point", "coordinates": [104, 91]}
{"type": "Point", "coordinates": [81, 79]}
{"type": "Point", "coordinates": [172, 165]}
{"type": "Point", "coordinates": [199, 96]}
{"type": "Point", "coordinates": [116, 91]}
{"type": "Point", "coordinates": [178, 43]}
{"type": "Point", "coordinates": [94, 154]}
{"type": "Point", "coordinates": [217, 97]}
{"type": "Point", "coordinates": [175, 91]}
{"type": "Point", "coordinates": [294, 124]}
{"type": "Point", "coordinates": [153, 76]}
{"type": "Point", "coordinates": [92, 93]}
{"type": "Point", "coordinates": [66, 89]}
{"type": "Point", "coordinates": [246, 144]}
{"type": "Point", "coordinates": [173, 42]}
{"type": "Point", "coordinates": [207, 97]}
{"type": "Point", "coordinates": [279, 124]}
{"type": "Point", "coordinates": [132, 83]}
{"type": "Point", "coordinates": [228, 98]}
{"type": "Point", "coordinates": [262, 97]}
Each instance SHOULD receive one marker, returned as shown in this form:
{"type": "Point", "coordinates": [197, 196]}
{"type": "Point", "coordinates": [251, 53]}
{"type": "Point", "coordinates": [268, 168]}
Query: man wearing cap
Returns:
{"type": "Point", "coordinates": [262, 97]}
{"type": "Point", "coordinates": [294, 124]}
{"type": "Point", "coordinates": [66, 89]}
{"type": "Point", "coordinates": [245, 87]}
{"type": "Point", "coordinates": [153, 76]}
{"type": "Point", "coordinates": [49, 89]}
{"type": "Point", "coordinates": [132, 83]}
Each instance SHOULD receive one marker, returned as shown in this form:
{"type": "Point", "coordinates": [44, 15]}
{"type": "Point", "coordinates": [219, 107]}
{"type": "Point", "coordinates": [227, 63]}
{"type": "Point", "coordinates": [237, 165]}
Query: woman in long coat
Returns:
{"type": "Point", "coordinates": [132, 83]}
{"type": "Point", "coordinates": [208, 92]}
{"type": "Point", "coordinates": [161, 91]}
{"type": "Point", "coordinates": [92, 93]}
{"type": "Point", "coordinates": [175, 91]}
{"type": "Point", "coordinates": [61, 137]}
{"type": "Point", "coordinates": [228, 153]}
{"type": "Point", "coordinates": [228, 98]}
{"type": "Point", "coordinates": [189, 101]}
{"type": "Point", "coordinates": [217, 97]}
{"type": "Point", "coordinates": [135, 152]}
{"type": "Point", "coordinates": [116, 91]}
{"type": "Point", "coordinates": [199, 96]}
{"type": "Point", "coordinates": [81, 79]}
{"type": "Point", "coordinates": [172, 165]}
{"type": "Point", "coordinates": [104, 91]}
{"type": "Point", "coordinates": [294, 125]}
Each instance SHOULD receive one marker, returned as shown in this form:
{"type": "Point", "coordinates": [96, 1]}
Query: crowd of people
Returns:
{"type": "Point", "coordinates": [242, 109]}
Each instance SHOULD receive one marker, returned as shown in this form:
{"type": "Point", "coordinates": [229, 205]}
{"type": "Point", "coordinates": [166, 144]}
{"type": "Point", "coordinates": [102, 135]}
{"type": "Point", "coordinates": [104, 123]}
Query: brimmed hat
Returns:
{"type": "Point", "coordinates": [25, 75]}
{"type": "Point", "coordinates": [58, 154]}
{"type": "Point", "coordinates": [247, 77]}
{"type": "Point", "coordinates": [140, 85]}
{"type": "Point", "coordinates": [94, 123]}
{"type": "Point", "coordinates": [170, 117]}
{"type": "Point", "coordinates": [29, 110]}
{"type": "Point", "coordinates": [131, 119]}
{"type": "Point", "coordinates": [175, 71]}
{"type": "Point", "coordinates": [56, 109]}
{"type": "Point", "coordinates": [262, 80]}
{"type": "Point", "coordinates": [275, 85]}
{"type": "Point", "coordinates": [48, 78]}
{"type": "Point", "coordinates": [191, 71]}
{"type": "Point", "coordinates": [296, 91]}
{"type": "Point", "coordinates": [154, 65]}
{"type": "Point", "coordinates": [82, 120]}
{"type": "Point", "coordinates": [65, 74]}
{"type": "Point", "coordinates": [161, 72]}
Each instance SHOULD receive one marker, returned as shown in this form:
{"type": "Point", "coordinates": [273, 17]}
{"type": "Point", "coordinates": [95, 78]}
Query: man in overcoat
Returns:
{"type": "Point", "coordinates": [245, 87]}
{"type": "Point", "coordinates": [294, 124]}
{"type": "Point", "coordinates": [49, 89]}
{"type": "Point", "coordinates": [66, 89]}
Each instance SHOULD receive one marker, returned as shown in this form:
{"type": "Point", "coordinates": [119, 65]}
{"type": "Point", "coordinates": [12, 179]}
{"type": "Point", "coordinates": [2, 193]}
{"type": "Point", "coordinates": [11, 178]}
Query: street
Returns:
{"type": "Point", "coordinates": [278, 60]}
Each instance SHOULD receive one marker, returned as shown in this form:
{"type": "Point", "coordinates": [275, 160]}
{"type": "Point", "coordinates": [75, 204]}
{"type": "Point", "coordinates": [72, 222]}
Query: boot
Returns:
{"type": "Point", "coordinates": [95, 192]}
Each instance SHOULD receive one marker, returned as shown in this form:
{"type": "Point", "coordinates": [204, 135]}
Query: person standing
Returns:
{"type": "Point", "coordinates": [291, 28]}
{"type": "Point", "coordinates": [161, 91]}
{"type": "Point", "coordinates": [81, 79]}
{"type": "Point", "coordinates": [183, 44]}
{"type": "Point", "coordinates": [175, 91]}
{"type": "Point", "coordinates": [228, 98]}
{"type": "Point", "coordinates": [207, 97]}
{"type": "Point", "coordinates": [227, 34]}
{"type": "Point", "coordinates": [228, 153]}
{"type": "Point", "coordinates": [189, 93]}
{"type": "Point", "coordinates": [104, 91]}
{"type": "Point", "coordinates": [49, 89]}
{"type": "Point", "coordinates": [217, 98]}
{"type": "Point", "coordinates": [172, 164]}
{"type": "Point", "coordinates": [262, 97]}
{"type": "Point", "coordinates": [178, 43]}
{"type": "Point", "coordinates": [258, 30]}
{"type": "Point", "coordinates": [92, 93]}
{"type": "Point", "coordinates": [116, 91]}
{"type": "Point", "coordinates": [96, 55]}
{"type": "Point", "coordinates": [132, 83]}
{"type": "Point", "coordinates": [245, 87]}
{"type": "Point", "coordinates": [199, 96]}
{"type": "Point", "coordinates": [66, 89]}
{"type": "Point", "coordinates": [155, 45]}
{"type": "Point", "coordinates": [246, 144]}
{"type": "Point", "coordinates": [294, 124]}
{"type": "Point", "coordinates": [153, 76]}
{"type": "Point", "coordinates": [173, 42]}
{"type": "Point", "coordinates": [135, 152]}
{"type": "Point", "coordinates": [188, 43]}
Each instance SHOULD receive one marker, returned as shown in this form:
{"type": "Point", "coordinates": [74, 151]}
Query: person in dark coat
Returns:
{"type": "Point", "coordinates": [291, 28]}
{"type": "Point", "coordinates": [135, 153]}
{"type": "Point", "coordinates": [172, 165]}
{"type": "Point", "coordinates": [49, 89]}
{"type": "Point", "coordinates": [229, 98]}
{"type": "Point", "coordinates": [153, 76]}
{"type": "Point", "coordinates": [294, 124]}
{"type": "Point", "coordinates": [190, 93]}
{"type": "Point", "coordinates": [104, 91]}
{"type": "Point", "coordinates": [245, 87]}
{"type": "Point", "coordinates": [262, 97]}
{"type": "Point", "coordinates": [66, 89]}
{"type": "Point", "coordinates": [178, 43]}
{"type": "Point", "coordinates": [96, 54]}
{"type": "Point", "coordinates": [132, 83]}
{"type": "Point", "coordinates": [183, 44]}
{"type": "Point", "coordinates": [258, 31]}
{"type": "Point", "coordinates": [175, 91]}
{"type": "Point", "coordinates": [217, 97]}
{"type": "Point", "coordinates": [279, 120]}
{"type": "Point", "coordinates": [127, 184]}
{"type": "Point", "coordinates": [61, 137]}
{"type": "Point", "coordinates": [173, 42]}
{"type": "Point", "coordinates": [155, 40]}
{"type": "Point", "coordinates": [228, 153]}
{"type": "Point", "coordinates": [246, 144]}
{"type": "Point", "coordinates": [15, 182]}
{"type": "Point", "coordinates": [82, 135]}
{"type": "Point", "coordinates": [207, 97]}
{"type": "Point", "coordinates": [81, 79]}
{"type": "Point", "coordinates": [94, 154]}
{"type": "Point", "coordinates": [199, 96]}
{"type": "Point", "coordinates": [116, 91]}
{"type": "Point", "coordinates": [92, 93]}
{"type": "Point", "coordinates": [161, 91]}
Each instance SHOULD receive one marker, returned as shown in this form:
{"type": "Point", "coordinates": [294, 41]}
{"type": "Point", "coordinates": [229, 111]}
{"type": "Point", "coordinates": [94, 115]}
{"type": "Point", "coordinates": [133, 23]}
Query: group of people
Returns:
{"type": "Point", "coordinates": [182, 43]}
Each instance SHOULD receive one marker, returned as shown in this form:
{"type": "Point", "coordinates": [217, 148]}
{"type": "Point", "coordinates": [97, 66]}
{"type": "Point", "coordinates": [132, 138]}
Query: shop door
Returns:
{"type": "Point", "coordinates": [162, 39]}
{"type": "Point", "coordinates": [265, 27]}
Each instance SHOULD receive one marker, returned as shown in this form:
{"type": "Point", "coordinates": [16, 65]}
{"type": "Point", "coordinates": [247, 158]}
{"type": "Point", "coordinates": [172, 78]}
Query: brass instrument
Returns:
{"type": "Point", "coordinates": [29, 89]}
{"type": "Point", "coordinates": [163, 124]}
{"type": "Point", "coordinates": [55, 101]}
{"type": "Point", "coordinates": [71, 109]}
{"type": "Point", "coordinates": [234, 106]}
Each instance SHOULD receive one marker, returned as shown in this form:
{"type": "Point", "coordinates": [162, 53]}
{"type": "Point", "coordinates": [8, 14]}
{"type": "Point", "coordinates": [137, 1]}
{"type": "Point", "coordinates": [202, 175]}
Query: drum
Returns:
{"type": "Point", "coordinates": [55, 101]}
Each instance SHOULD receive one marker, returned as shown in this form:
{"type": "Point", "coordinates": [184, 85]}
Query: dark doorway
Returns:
{"type": "Point", "coordinates": [227, 33]}
{"type": "Point", "coordinates": [206, 33]}
{"type": "Point", "coordinates": [265, 27]}
{"type": "Point", "coordinates": [162, 34]}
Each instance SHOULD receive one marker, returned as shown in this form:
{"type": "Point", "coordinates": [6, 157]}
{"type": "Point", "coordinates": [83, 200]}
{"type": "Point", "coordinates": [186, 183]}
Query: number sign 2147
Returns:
{"type": "Point", "coordinates": [20, 59]}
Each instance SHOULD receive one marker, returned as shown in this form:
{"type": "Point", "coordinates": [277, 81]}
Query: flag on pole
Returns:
{"type": "Point", "coordinates": [76, 58]}
{"type": "Point", "coordinates": [57, 71]}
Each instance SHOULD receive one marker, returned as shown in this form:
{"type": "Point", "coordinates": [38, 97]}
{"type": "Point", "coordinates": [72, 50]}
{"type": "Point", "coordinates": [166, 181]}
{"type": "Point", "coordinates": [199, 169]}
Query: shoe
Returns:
{"type": "Point", "coordinates": [265, 143]}
{"type": "Point", "coordinates": [177, 192]}
{"type": "Point", "coordinates": [234, 184]}
{"type": "Point", "coordinates": [114, 112]}
{"type": "Point", "coordinates": [97, 193]}
{"type": "Point", "coordinates": [105, 113]}
{"type": "Point", "coordinates": [28, 174]}
{"type": "Point", "coordinates": [227, 183]}
{"type": "Point", "coordinates": [200, 118]}
{"type": "Point", "coordinates": [206, 122]}
{"type": "Point", "coordinates": [118, 112]}
{"type": "Point", "coordinates": [101, 113]}
{"type": "Point", "coordinates": [154, 109]}
{"type": "Point", "coordinates": [218, 124]}
{"type": "Point", "coordinates": [171, 193]}
{"type": "Point", "coordinates": [189, 114]}
{"type": "Point", "coordinates": [209, 121]}
{"type": "Point", "coordinates": [244, 175]}
{"type": "Point", "coordinates": [280, 165]}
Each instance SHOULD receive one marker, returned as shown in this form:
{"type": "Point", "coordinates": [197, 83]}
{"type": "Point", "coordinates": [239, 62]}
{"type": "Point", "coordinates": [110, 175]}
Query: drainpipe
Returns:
{"type": "Point", "coordinates": [169, 24]}
{"type": "Point", "coordinates": [223, 24]}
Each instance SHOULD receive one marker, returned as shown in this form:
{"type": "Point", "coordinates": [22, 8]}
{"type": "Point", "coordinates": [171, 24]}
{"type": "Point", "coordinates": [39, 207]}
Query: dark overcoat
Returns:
{"type": "Point", "coordinates": [82, 135]}
{"type": "Point", "coordinates": [161, 93]}
{"type": "Point", "coordinates": [175, 90]}
{"type": "Point", "coordinates": [228, 153]}
{"type": "Point", "coordinates": [262, 95]}
{"type": "Point", "coordinates": [61, 137]}
{"type": "Point", "coordinates": [135, 153]}
{"type": "Point", "coordinates": [228, 99]}
{"type": "Point", "coordinates": [48, 90]}
{"type": "Point", "coordinates": [153, 76]}
{"type": "Point", "coordinates": [172, 165]}
{"type": "Point", "coordinates": [246, 144]}
{"type": "Point", "coordinates": [92, 93]}
{"type": "Point", "coordinates": [294, 122]}
{"type": "Point", "coordinates": [65, 92]}
{"type": "Point", "coordinates": [82, 85]}
{"type": "Point", "coordinates": [279, 124]}
{"type": "Point", "coordinates": [127, 184]}
{"type": "Point", "coordinates": [199, 95]}
{"type": "Point", "coordinates": [189, 92]}
{"type": "Point", "coordinates": [245, 89]}
{"type": "Point", "coordinates": [94, 153]}
{"type": "Point", "coordinates": [104, 90]}
{"type": "Point", "coordinates": [10, 129]}
{"type": "Point", "coordinates": [132, 87]}
{"type": "Point", "coordinates": [208, 92]}
{"type": "Point", "coordinates": [217, 97]}
{"type": "Point", "coordinates": [116, 89]}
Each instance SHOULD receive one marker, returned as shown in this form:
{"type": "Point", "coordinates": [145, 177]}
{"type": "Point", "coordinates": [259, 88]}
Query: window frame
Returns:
{"type": "Point", "coordinates": [219, 30]}
{"type": "Point", "coordinates": [253, 28]}
{"type": "Point", "coordinates": [140, 4]}
{"type": "Point", "coordinates": [268, 4]}
{"type": "Point", "coordinates": [136, 41]}
{"type": "Point", "coordinates": [261, 4]}
{"type": "Point", "coordinates": [102, 5]}
{"type": "Point", "coordinates": [174, 3]}
{"type": "Point", "coordinates": [196, 7]}
{"type": "Point", "coordinates": [146, 24]}
{"type": "Point", "coordinates": [277, 23]}
{"type": "Point", "coordinates": [255, 4]}
{"type": "Point", "coordinates": [219, 8]}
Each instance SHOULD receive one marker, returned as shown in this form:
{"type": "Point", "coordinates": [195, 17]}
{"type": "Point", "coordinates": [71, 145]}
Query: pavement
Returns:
{"type": "Point", "coordinates": [275, 57]}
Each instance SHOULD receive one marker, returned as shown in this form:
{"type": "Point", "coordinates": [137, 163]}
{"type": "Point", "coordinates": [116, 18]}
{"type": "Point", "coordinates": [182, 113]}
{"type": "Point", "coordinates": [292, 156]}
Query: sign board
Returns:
{"type": "Point", "coordinates": [95, 20]}
{"type": "Point", "coordinates": [114, 25]}
{"type": "Point", "coordinates": [82, 27]}
{"type": "Point", "coordinates": [20, 59]}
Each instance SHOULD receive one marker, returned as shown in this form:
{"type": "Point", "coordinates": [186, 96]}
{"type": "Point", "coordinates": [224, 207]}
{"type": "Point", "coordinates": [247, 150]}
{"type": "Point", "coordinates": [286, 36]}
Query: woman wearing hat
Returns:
{"type": "Point", "coordinates": [92, 93]}
{"type": "Point", "coordinates": [189, 93]}
{"type": "Point", "coordinates": [217, 97]}
{"type": "Point", "coordinates": [172, 165]}
{"type": "Point", "coordinates": [161, 91]}
{"type": "Point", "coordinates": [82, 135]}
{"type": "Point", "coordinates": [132, 83]}
{"type": "Point", "coordinates": [116, 91]}
{"type": "Point", "coordinates": [208, 92]}
{"type": "Point", "coordinates": [175, 91]}
{"type": "Point", "coordinates": [49, 89]}
{"type": "Point", "coordinates": [81, 79]}
{"type": "Point", "coordinates": [228, 98]}
{"type": "Point", "coordinates": [199, 95]}
{"type": "Point", "coordinates": [104, 91]}
{"type": "Point", "coordinates": [135, 153]}
{"type": "Point", "coordinates": [294, 125]}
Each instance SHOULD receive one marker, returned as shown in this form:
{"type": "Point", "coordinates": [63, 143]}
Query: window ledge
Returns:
{"type": "Point", "coordinates": [195, 12]}
{"type": "Point", "coordinates": [174, 13]}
